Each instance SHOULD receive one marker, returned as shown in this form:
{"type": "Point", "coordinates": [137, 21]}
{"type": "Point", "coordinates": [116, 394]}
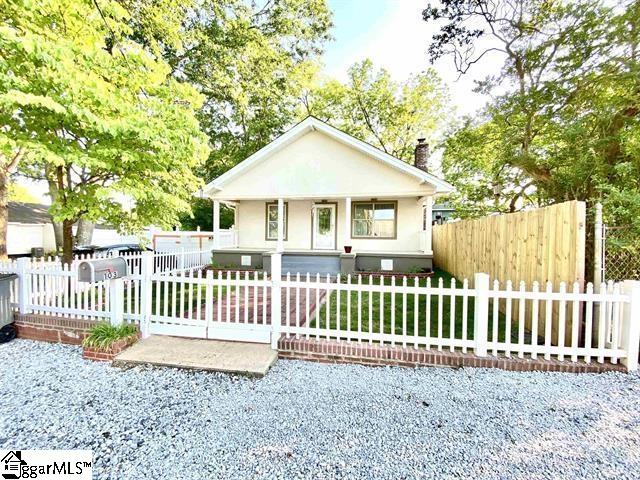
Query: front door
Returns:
{"type": "Point", "coordinates": [324, 226]}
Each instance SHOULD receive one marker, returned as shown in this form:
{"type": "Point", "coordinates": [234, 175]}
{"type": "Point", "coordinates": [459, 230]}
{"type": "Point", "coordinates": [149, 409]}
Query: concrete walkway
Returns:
{"type": "Point", "coordinates": [253, 359]}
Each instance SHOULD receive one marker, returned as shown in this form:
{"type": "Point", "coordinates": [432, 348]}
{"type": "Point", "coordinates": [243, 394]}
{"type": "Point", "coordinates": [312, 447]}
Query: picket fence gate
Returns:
{"type": "Point", "coordinates": [174, 296]}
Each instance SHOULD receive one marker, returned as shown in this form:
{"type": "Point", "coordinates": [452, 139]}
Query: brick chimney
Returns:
{"type": "Point", "coordinates": [421, 154]}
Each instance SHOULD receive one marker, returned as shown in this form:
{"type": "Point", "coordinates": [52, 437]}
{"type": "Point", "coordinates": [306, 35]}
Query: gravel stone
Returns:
{"type": "Point", "coordinates": [309, 420]}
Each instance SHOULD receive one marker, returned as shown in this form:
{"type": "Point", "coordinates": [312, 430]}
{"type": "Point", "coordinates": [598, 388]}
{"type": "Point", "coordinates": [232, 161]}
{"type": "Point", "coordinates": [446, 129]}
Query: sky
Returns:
{"type": "Point", "coordinates": [393, 35]}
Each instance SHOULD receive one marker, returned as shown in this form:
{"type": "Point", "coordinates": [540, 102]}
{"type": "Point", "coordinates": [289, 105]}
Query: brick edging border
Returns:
{"type": "Point", "coordinates": [56, 329]}
{"type": "Point", "coordinates": [332, 351]}
{"type": "Point", "coordinates": [52, 328]}
{"type": "Point", "coordinates": [100, 355]}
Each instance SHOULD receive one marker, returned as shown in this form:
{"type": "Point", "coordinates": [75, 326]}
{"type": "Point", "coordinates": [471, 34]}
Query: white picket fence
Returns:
{"type": "Point", "coordinates": [441, 317]}
{"type": "Point", "coordinates": [229, 306]}
{"type": "Point", "coordinates": [52, 287]}
{"type": "Point", "coordinates": [484, 319]}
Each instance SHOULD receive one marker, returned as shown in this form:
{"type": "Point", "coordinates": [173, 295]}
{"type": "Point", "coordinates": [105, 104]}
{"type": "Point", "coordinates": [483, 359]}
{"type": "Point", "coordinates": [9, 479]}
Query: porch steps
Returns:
{"type": "Point", "coordinates": [322, 264]}
{"type": "Point", "coordinates": [251, 359]}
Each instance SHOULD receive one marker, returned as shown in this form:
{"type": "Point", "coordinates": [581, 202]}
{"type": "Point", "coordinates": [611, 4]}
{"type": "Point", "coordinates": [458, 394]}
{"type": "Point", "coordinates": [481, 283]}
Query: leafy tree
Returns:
{"type": "Point", "coordinates": [250, 60]}
{"type": "Point", "coordinates": [11, 154]}
{"type": "Point", "coordinates": [157, 25]}
{"type": "Point", "coordinates": [385, 113]}
{"type": "Point", "coordinates": [201, 216]}
{"type": "Point", "coordinates": [566, 116]}
{"type": "Point", "coordinates": [115, 135]}
{"type": "Point", "coordinates": [474, 161]}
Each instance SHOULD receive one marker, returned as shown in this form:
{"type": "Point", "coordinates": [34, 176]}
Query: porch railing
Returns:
{"type": "Point", "coordinates": [228, 238]}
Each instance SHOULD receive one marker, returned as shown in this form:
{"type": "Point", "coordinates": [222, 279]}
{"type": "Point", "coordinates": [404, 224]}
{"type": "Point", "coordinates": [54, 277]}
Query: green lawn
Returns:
{"type": "Point", "coordinates": [435, 303]}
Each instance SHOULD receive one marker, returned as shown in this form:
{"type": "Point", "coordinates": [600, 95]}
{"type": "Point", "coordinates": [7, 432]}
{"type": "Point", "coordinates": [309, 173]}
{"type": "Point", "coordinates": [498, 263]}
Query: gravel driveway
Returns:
{"type": "Point", "coordinates": [307, 420]}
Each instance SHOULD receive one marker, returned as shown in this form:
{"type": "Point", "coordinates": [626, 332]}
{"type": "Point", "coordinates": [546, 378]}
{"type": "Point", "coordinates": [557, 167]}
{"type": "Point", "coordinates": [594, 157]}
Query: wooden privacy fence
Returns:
{"type": "Point", "coordinates": [546, 245]}
{"type": "Point", "coordinates": [543, 245]}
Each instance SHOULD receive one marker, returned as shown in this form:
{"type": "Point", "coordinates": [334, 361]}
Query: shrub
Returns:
{"type": "Point", "coordinates": [104, 335]}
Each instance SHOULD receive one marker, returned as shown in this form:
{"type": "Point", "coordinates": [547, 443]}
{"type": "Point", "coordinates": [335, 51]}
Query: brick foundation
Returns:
{"type": "Point", "coordinates": [331, 351]}
{"type": "Point", "coordinates": [49, 328]}
{"type": "Point", "coordinates": [107, 355]}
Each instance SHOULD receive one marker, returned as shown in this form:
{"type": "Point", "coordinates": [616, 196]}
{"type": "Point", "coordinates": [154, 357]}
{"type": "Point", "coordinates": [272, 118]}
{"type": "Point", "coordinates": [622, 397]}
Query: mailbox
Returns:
{"type": "Point", "coordinates": [101, 270]}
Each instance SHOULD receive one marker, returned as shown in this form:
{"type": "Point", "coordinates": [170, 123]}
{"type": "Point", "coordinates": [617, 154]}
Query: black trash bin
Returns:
{"type": "Point", "coordinates": [7, 328]}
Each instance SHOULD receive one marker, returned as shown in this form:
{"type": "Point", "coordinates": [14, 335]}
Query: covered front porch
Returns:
{"type": "Point", "coordinates": [327, 235]}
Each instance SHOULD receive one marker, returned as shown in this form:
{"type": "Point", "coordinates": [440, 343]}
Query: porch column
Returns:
{"type": "Point", "coordinates": [235, 226]}
{"type": "Point", "coordinates": [280, 244]}
{"type": "Point", "coordinates": [426, 245]}
{"type": "Point", "coordinates": [347, 221]}
{"type": "Point", "coordinates": [216, 224]}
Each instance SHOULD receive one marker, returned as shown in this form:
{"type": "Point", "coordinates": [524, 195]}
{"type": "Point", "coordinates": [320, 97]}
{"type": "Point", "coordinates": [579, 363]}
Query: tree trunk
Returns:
{"type": "Point", "coordinates": [57, 232]}
{"type": "Point", "coordinates": [67, 241]}
{"type": "Point", "coordinates": [57, 226]}
{"type": "Point", "coordinates": [84, 234]}
{"type": "Point", "coordinates": [4, 213]}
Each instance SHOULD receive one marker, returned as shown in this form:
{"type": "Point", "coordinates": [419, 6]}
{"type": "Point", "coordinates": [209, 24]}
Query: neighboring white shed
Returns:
{"type": "Point", "coordinates": [30, 227]}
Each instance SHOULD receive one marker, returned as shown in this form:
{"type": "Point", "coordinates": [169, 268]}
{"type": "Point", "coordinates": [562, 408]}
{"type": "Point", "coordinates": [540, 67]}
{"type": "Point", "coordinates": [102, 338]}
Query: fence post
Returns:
{"type": "Point", "coordinates": [116, 300]}
{"type": "Point", "coordinates": [598, 251]}
{"type": "Point", "coordinates": [276, 298]}
{"type": "Point", "coordinates": [481, 313]}
{"type": "Point", "coordinates": [631, 324]}
{"type": "Point", "coordinates": [181, 261]}
{"type": "Point", "coordinates": [24, 284]}
{"type": "Point", "coordinates": [146, 289]}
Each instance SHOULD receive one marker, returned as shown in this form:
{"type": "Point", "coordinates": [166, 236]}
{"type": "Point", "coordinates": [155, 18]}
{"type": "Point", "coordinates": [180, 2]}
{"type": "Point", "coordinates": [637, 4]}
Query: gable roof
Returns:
{"type": "Point", "coordinates": [30, 213]}
{"type": "Point", "coordinates": [310, 124]}
{"type": "Point", "coordinates": [35, 214]}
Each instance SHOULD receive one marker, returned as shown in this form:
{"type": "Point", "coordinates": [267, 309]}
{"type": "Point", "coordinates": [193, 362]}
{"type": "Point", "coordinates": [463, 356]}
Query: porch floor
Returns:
{"type": "Point", "coordinates": [309, 251]}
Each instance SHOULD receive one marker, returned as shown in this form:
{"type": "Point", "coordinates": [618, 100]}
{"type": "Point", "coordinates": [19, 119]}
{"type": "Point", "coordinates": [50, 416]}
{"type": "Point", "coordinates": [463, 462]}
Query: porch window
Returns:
{"type": "Point", "coordinates": [374, 219]}
{"type": "Point", "coordinates": [271, 227]}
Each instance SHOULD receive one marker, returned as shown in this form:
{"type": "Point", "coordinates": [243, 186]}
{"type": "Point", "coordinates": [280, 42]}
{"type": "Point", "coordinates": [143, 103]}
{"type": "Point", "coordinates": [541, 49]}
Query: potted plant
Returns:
{"type": "Point", "coordinates": [347, 249]}
{"type": "Point", "coordinates": [105, 341]}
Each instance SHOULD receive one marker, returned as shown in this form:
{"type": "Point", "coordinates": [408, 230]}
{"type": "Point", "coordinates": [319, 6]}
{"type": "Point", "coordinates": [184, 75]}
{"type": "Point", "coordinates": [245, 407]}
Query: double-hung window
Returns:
{"type": "Point", "coordinates": [374, 219]}
{"type": "Point", "coordinates": [272, 221]}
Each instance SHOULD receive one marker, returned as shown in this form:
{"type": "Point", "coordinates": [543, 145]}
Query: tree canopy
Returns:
{"type": "Point", "coordinates": [99, 115]}
{"type": "Point", "coordinates": [250, 61]}
{"type": "Point", "coordinates": [565, 122]}
{"type": "Point", "coordinates": [201, 216]}
{"type": "Point", "coordinates": [373, 107]}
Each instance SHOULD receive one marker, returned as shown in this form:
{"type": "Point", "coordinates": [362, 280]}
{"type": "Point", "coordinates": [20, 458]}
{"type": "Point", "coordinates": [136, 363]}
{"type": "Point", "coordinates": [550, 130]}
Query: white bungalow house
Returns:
{"type": "Point", "coordinates": [329, 203]}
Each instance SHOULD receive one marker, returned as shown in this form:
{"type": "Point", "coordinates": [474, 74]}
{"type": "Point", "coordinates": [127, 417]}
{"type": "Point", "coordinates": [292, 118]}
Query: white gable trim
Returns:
{"type": "Point", "coordinates": [310, 124]}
